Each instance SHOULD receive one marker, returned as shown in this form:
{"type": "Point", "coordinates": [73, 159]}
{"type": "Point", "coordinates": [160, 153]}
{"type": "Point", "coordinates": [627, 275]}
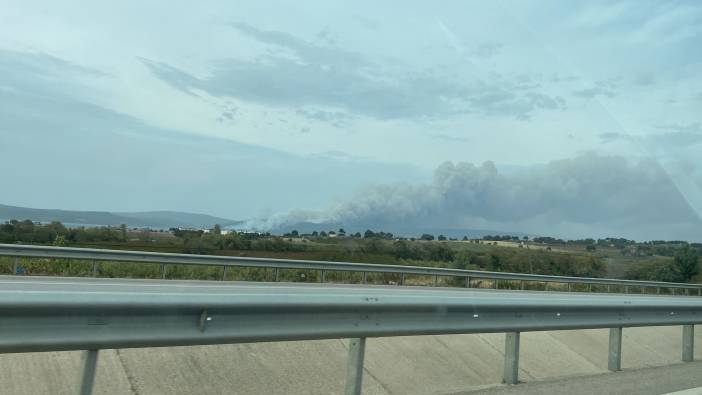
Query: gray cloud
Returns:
{"type": "Point", "coordinates": [589, 195]}
{"type": "Point", "coordinates": [366, 22]}
{"type": "Point", "coordinates": [694, 127]}
{"type": "Point", "coordinates": [449, 138]}
{"type": "Point", "coordinates": [595, 91]}
{"type": "Point", "coordinates": [604, 88]}
{"type": "Point", "coordinates": [676, 135]}
{"type": "Point", "coordinates": [308, 52]}
{"type": "Point", "coordinates": [299, 73]}
{"type": "Point", "coordinates": [644, 79]}
{"type": "Point", "coordinates": [487, 50]}
{"type": "Point", "coordinates": [336, 118]}
{"type": "Point", "coordinates": [682, 139]}
{"type": "Point", "coordinates": [614, 136]}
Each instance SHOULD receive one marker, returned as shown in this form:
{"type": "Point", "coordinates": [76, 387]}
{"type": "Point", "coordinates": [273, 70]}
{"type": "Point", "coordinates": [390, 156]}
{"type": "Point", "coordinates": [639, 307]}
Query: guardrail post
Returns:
{"type": "Point", "coordinates": [402, 278]}
{"type": "Point", "coordinates": [163, 271]}
{"type": "Point", "coordinates": [354, 369]}
{"type": "Point", "coordinates": [225, 268]}
{"type": "Point", "coordinates": [614, 362]}
{"type": "Point", "coordinates": [90, 358]}
{"type": "Point", "coordinates": [467, 282]}
{"type": "Point", "coordinates": [626, 289]}
{"type": "Point", "coordinates": [511, 372]}
{"type": "Point", "coordinates": [688, 343]}
{"type": "Point", "coordinates": [323, 277]}
{"type": "Point", "coordinates": [436, 281]}
{"type": "Point", "coordinates": [494, 283]}
{"type": "Point", "coordinates": [521, 285]}
{"type": "Point", "coordinates": [365, 277]}
{"type": "Point", "coordinates": [568, 287]}
{"type": "Point", "coordinates": [95, 268]}
{"type": "Point", "coordinates": [15, 266]}
{"type": "Point", "coordinates": [658, 290]}
{"type": "Point", "coordinates": [276, 274]}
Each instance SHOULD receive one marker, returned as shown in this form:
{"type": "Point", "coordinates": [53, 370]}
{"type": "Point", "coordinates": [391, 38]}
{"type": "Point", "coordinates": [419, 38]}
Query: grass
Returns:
{"type": "Point", "coordinates": [107, 269]}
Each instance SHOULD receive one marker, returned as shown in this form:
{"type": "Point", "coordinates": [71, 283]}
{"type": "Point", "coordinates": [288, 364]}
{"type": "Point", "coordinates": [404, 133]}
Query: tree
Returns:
{"type": "Point", "coordinates": [442, 238]}
{"type": "Point", "coordinates": [368, 233]}
{"type": "Point", "coordinates": [427, 236]}
{"type": "Point", "coordinates": [295, 233]}
{"type": "Point", "coordinates": [217, 230]}
{"type": "Point", "coordinates": [686, 263]}
{"type": "Point", "coordinates": [60, 241]}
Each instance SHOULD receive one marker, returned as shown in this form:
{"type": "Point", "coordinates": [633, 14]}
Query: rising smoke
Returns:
{"type": "Point", "coordinates": [586, 196]}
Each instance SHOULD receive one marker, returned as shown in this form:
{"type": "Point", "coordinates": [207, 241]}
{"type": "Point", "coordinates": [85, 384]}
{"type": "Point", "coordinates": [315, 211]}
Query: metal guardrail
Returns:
{"type": "Point", "coordinates": [97, 255]}
{"type": "Point", "coordinates": [56, 314]}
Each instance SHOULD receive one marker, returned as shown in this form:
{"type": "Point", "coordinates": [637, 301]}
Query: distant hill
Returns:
{"type": "Point", "coordinates": [152, 219]}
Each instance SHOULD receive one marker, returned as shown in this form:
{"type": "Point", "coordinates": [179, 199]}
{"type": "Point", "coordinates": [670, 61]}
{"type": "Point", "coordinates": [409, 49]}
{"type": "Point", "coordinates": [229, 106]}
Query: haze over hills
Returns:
{"type": "Point", "coordinates": [152, 219]}
{"type": "Point", "coordinates": [171, 219]}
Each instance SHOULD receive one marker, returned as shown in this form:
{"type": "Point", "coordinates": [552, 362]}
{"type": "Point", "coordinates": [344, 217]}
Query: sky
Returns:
{"type": "Point", "coordinates": [574, 119]}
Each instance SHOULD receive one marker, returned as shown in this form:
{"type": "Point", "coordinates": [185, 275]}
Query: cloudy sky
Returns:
{"type": "Point", "coordinates": [565, 118]}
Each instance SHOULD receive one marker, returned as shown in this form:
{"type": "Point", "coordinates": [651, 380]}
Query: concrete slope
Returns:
{"type": "Point", "coordinates": [684, 378]}
{"type": "Point", "coordinates": [403, 365]}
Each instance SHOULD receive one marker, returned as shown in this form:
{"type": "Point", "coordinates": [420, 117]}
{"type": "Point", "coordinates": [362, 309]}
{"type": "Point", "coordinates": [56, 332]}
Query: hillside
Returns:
{"type": "Point", "coordinates": [152, 219]}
